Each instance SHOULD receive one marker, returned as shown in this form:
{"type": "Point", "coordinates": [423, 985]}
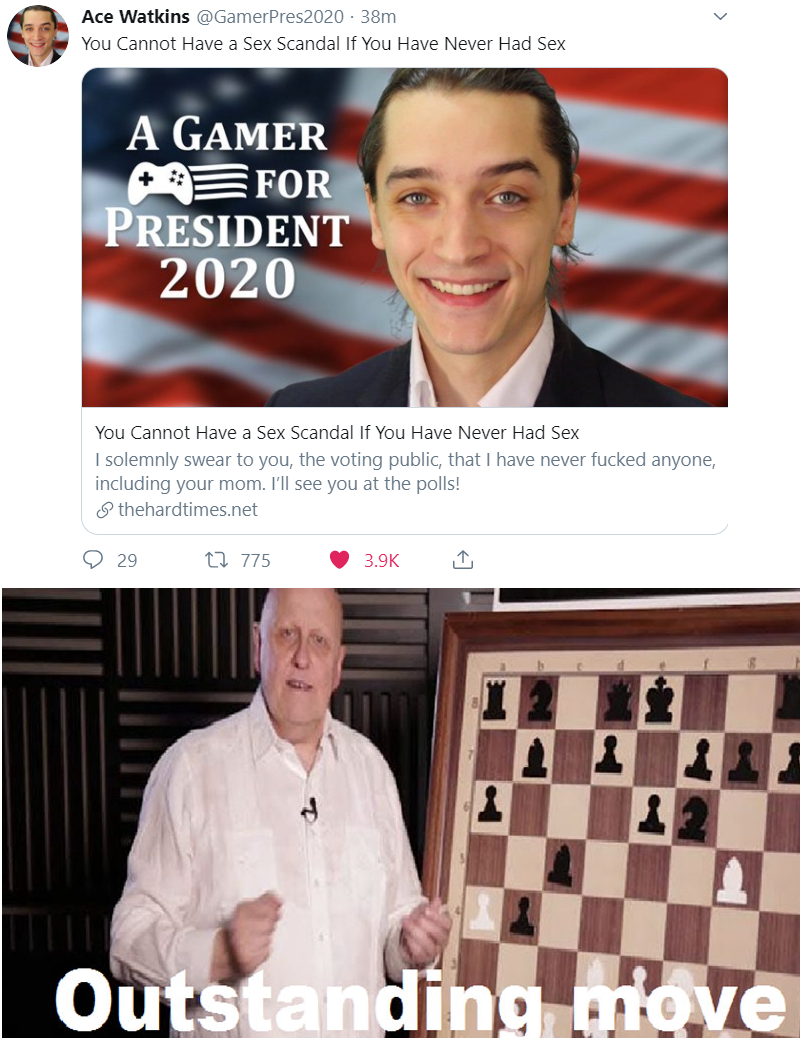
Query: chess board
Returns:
{"type": "Point", "coordinates": [615, 799]}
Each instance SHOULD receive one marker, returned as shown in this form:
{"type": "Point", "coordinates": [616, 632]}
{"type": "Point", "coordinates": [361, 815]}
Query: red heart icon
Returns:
{"type": "Point", "coordinates": [339, 558]}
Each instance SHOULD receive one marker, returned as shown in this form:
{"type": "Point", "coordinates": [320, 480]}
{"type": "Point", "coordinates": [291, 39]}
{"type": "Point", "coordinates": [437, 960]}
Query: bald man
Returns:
{"type": "Point", "coordinates": [271, 847]}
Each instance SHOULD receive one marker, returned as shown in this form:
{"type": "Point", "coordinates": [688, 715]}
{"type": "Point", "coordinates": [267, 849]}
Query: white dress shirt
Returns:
{"type": "Point", "coordinates": [221, 822]}
{"type": "Point", "coordinates": [47, 61]}
{"type": "Point", "coordinates": [519, 387]}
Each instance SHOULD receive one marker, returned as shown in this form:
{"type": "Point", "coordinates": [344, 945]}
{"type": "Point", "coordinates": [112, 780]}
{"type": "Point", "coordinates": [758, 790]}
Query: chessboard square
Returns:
{"type": "Point", "coordinates": [784, 764]}
{"type": "Point", "coordinates": [643, 928]}
{"type": "Point", "coordinates": [696, 750]}
{"type": "Point", "coordinates": [538, 701]}
{"type": "Point", "coordinates": [495, 758]}
{"type": "Point", "coordinates": [651, 975]}
{"type": "Point", "coordinates": [609, 813]}
{"type": "Point", "coordinates": [648, 872]}
{"type": "Point", "coordinates": [656, 758]}
{"type": "Point", "coordinates": [516, 964]}
{"type": "Point", "coordinates": [745, 754]}
{"type": "Point", "coordinates": [593, 969]}
{"type": "Point", "coordinates": [738, 879]}
{"type": "Point", "coordinates": [613, 749]}
{"type": "Point", "coordinates": [741, 979]}
{"type": "Point", "coordinates": [782, 823]}
{"type": "Point", "coordinates": [601, 924]}
{"type": "Point", "coordinates": [703, 708]}
{"type": "Point", "coordinates": [560, 921]}
{"type": "Point", "coordinates": [778, 942]}
{"type": "Point", "coordinates": [751, 703]}
{"type": "Point", "coordinates": [521, 911]}
{"type": "Point", "coordinates": [780, 885]}
{"type": "Point", "coordinates": [686, 936]}
{"type": "Point", "coordinates": [660, 695]}
{"type": "Point", "coordinates": [569, 812]}
{"type": "Point", "coordinates": [477, 964]}
{"type": "Point", "coordinates": [691, 875]}
{"type": "Point", "coordinates": [618, 695]}
{"type": "Point", "coordinates": [525, 862]}
{"type": "Point", "coordinates": [486, 857]}
{"type": "Point", "coordinates": [789, 987]}
{"type": "Point", "coordinates": [742, 820]}
{"type": "Point", "coordinates": [529, 810]}
{"type": "Point", "coordinates": [732, 937]}
{"type": "Point", "coordinates": [572, 757]}
{"type": "Point", "coordinates": [508, 697]}
{"type": "Point", "coordinates": [644, 1030]}
{"type": "Point", "coordinates": [483, 913]}
{"type": "Point", "coordinates": [555, 972]}
{"type": "Point", "coordinates": [696, 812]}
{"type": "Point", "coordinates": [533, 752]}
{"type": "Point", "coordinates": [491, 808]}
{"type": "Point", "coordinates": [787, 703]}
{"type": "Point", "coordinates": [577, 702]}
{"type": "Point", "coordinates": [604, 868]}
{"type": "Point", "coordinates": [564, 866]}
{"type": "Point", "coordinates": [651, 807]}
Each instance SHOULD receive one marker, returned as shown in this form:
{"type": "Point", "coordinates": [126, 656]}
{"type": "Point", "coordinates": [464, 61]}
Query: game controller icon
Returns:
{"type": "Point", "coordinates": [149, 179]}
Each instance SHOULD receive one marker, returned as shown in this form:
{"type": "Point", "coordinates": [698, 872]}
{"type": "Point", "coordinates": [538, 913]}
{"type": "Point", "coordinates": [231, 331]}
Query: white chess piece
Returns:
{"type": "Point", "coordinates": [683, 979]}
{"type": "Point", "coordinates": [549, 1021]}
{"type": "Point", "coordinates": [681, 1032]}
{"type": "Point", "coordinates": [639, 977]}
{"type": "Point", "coordinates": [594, 1030]}
{"type": "Point", "coordinates": [595, 974]}
{"type": "Point", "coordinates": [482, 921]}
{"type": "Point", "coordinates": [731, 892]}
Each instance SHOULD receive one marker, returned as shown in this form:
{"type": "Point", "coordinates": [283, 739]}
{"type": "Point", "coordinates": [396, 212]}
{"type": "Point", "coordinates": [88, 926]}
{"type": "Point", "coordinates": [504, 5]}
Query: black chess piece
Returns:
{"type": "Point", "coordinates": [652, 823]}
{"type": "Point", "coordinates": [692, 829]}
{"type": "Point", "coordinates": [609, 765]}
{"type": "Point", "coordinates": [535, 766]}
{"type": "Point", "coordinates": [744, 771]}
{"type": "Point", "coordinates": [659, 697]}
{"type": "Point", "coordinates": [791, 775]}
{"type": "Point", "coordinates": [490, 813]}
{"type": "Point", "coordinates": [560, 871]}
{"type": "Point", "coordinates": [618, 703]}
{"type": "Point", "coordinates": [542, 696]}
{"type": "Point", "coordinates": [789, 710]}
{"type": "Point", "coordinates": [494, 701]}
{"type": "Point", "coordinates": [522, 924]}
{"type": "Point", "coordinates": [699, 769]}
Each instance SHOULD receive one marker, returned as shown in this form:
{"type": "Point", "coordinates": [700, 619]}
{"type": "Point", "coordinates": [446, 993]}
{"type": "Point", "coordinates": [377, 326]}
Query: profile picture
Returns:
{"type": "Point", "coordinates": [38, 36]}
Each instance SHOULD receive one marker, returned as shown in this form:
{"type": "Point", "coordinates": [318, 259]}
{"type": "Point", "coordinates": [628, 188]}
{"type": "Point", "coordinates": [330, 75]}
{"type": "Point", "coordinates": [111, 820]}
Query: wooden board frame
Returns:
{"type": "Point", "coordinates": [466, 635]}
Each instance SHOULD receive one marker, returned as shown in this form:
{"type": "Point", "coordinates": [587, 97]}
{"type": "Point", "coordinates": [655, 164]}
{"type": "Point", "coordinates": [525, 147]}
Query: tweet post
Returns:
{"type": "Point", "coordinates": [433, 810]}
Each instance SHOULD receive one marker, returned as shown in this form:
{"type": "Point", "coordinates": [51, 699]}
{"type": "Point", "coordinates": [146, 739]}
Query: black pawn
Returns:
{"type": "Point", "coordinates": [618, 703]}
{"type": "Point", "coordinates": [652, 823]}
{"type": "Point", "coordinates": [490, 812]}
{"type": "Point", "coordinates": [699, 770]}
{"type": "Point", "coordinates": [534, 768]}
{"type": "Point", "coordinates": [522, 925]}
{"type": "Point", "coordinates": [743, 772]}
{"type": "Point", "coordinates": [542, 694]}
{"type": "Point", "coordinates": [692, 829]}
{"type": "Point", "coordinates": [791, 776]}
{"type": "Point", "coordinates": [609, 765]}
{"type": "Point", "coordinates": [659, 697]}
{"type": "Point", "coordinates": [494, 702]}
{"type": "Point", "coordinates": [789, 710]}
{"type": "Point", "coordinates": [560, 871]}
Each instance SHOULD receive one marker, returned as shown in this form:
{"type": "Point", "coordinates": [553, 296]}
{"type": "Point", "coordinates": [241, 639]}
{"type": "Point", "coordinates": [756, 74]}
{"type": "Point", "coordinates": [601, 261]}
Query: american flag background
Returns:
{"type": "Point", "coordinates": [15, 35]}
{"type": "Point", "coordinates": [651, 290]}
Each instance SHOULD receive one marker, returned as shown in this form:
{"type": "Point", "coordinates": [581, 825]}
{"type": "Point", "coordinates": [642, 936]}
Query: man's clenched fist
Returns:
{"type": "Point", "coordinates": [425, 932]}
{"type": "Point", "coordinates": [246, 942]}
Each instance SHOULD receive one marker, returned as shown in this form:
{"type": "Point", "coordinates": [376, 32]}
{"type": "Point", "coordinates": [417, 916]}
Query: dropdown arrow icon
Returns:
{"type": "Point", "coordinates": [720, 16]}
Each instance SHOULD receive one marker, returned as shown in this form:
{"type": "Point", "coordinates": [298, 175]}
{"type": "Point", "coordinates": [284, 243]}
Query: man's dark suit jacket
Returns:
{"type": "Point", "coordinates": [24, 57]}
{"type": "Point", "coordinates": [577, 376]}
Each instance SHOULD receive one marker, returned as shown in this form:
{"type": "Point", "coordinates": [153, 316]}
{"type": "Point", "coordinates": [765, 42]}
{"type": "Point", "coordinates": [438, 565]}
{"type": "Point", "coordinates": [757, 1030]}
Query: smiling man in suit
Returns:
{"type": "Point", "coordinates": [39, 27]}
{"type": "Point", "coordinates": [470, 178]}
